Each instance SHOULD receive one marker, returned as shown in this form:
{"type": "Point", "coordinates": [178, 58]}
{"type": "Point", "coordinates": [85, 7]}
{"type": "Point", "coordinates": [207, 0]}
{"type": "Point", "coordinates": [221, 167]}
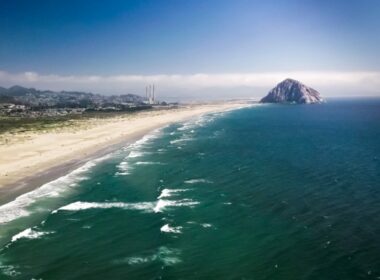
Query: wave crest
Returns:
{"type": "Point", "coordinates": [195, 181]}
{"type": "Point", "coordinates": [80, 205]}
{"type": "Point", "coordinates": [29, 233]}
{"type": "Point", "coordinates": [169, 229]}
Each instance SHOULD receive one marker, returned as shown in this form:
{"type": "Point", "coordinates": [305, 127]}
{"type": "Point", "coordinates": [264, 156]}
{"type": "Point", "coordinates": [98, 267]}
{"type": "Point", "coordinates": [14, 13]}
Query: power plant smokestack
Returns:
{"type": "Point", "coordinates": [150, 93]}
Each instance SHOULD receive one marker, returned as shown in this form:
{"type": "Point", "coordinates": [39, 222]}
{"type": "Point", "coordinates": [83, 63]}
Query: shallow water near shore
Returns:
{"type": "Point", "coordinates": [266, 192]}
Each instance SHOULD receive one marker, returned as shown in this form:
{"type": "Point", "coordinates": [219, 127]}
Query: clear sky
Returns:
{"type": "Point", "coordinates": [120, 45]}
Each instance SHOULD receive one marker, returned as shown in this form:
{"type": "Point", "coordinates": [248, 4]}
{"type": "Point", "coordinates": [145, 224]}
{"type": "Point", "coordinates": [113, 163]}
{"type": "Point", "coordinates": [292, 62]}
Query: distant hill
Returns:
{"type": "Point", "coordinates": [20, 91]}
{"type": "Point", "coordinates": [46, 98]}
{"type": "Point", "coordinates": [292, 91]}
{"type": "Point", "coordinates": [3, 90]}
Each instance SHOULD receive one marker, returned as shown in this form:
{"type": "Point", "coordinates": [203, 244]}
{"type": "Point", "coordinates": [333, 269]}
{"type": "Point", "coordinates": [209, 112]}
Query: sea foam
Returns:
{"type": "Point", "coordinates": [205, 225]}
{"type": "Point", "coordinates": [165, 193]}
{"type": "Point", "coordinates": [167, 228]}
{"type": "Point", "coordinates": [149, 163]}
{"type": "Point", "coordinates": [195, 181]}
{"type": "Point", "coordinates": [135, 151]}
{"type": "Point", "coordinates": [80, 205]}
{"type": "Point", "coordinates": [185, 138]}
{"type": "Point", "coordinates": [136, 146]}
{"type": "Point", "coordinates": [30, 233]}
{"type": "Point", "coordinates": [9, 270]}
{"type": "Point", "coordinates": [124, 168]}
{"type": "Point", "coordinates": [163, 204]}
{"type": "Point", "coordinates": [134, 154]}
{"type": "Point", "coordinates": [197, 122]}
{"type": "Point", "coordinates": [19, 207]}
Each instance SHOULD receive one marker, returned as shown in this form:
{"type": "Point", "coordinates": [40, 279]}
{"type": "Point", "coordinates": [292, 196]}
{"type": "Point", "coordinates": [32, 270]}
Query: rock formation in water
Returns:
{"type": "Point", "coordinates": [292, 91]}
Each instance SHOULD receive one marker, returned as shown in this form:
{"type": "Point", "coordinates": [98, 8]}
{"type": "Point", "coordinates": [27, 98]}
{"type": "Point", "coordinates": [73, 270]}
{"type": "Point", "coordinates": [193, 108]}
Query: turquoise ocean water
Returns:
{"type": "Point", "coordinates": [266, 192]}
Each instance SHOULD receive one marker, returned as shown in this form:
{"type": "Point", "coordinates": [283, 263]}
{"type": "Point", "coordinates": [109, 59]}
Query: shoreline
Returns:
{"type": "Point", "coordinates": [11, 191]}
{"type": "Point", "coordinates": [82, 146]}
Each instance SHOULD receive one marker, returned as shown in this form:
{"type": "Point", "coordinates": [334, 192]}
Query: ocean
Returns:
{"type": "Point", "coordinates": [264, 192]}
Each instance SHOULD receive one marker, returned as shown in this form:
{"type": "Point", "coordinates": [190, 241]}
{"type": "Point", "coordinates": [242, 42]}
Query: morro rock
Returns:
{"type": "Point", "coordinates": [292, 91]}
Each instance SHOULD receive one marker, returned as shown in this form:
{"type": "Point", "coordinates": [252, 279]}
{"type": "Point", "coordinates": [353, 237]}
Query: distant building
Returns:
{"type": "Point", "coordinates": [10, 108]}
{"type": "Point", "coordinates": [149, 92]}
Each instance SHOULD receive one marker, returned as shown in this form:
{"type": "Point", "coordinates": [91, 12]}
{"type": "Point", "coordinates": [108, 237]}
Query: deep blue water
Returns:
{"type": "Point", "coordinates": [267, 192]}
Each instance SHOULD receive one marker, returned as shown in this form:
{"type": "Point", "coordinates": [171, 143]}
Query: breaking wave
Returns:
{"type": "Point", "coordinates": [30, 233]}
{"type": "Point", "coordinates": [149, 163]}
{"type": "Point", "coordinates": [181, 140]}
{"type": "Point", "coordinates": [165, 193]}
{"type": "Point", "coordinates": [134, 154]}
{"type": "Point", "coordinates": [19, 207]}
{"type": "Point", "coordinates": [167, 228]}
{"type": "Point", "coordinates": [195, 181]}
{"type": "Point", "coordinates": [80, 205]}
{"type": "Point", "coordinates": [135, 151]}
{"type": "Point", "coordinates": [163, 204]}
{"type": "Point", "coordinates": [124, 168]}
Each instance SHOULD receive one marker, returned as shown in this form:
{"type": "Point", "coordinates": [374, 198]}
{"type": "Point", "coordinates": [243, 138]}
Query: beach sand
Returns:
{"type": "Point", "coordinates": [40, 157]}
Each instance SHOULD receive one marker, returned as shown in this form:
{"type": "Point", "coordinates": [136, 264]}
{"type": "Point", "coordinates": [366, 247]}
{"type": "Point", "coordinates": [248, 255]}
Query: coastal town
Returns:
{"type": "Point", "coordinates": [18, 101]}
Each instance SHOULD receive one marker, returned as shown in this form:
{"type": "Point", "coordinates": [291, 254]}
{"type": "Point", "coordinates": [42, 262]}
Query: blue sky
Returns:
{"type": "Point", "coordinates": [56, 40]}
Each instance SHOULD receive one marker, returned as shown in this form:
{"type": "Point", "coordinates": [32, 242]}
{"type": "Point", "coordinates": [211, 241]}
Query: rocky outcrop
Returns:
{"type": "Point", "coordinates": [292, 91]}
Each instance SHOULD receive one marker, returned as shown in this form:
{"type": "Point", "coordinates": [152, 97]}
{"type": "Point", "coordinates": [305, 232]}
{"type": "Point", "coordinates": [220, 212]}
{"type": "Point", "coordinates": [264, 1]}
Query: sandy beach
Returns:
{"type": "Point", "coordinates": [31, 159]}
